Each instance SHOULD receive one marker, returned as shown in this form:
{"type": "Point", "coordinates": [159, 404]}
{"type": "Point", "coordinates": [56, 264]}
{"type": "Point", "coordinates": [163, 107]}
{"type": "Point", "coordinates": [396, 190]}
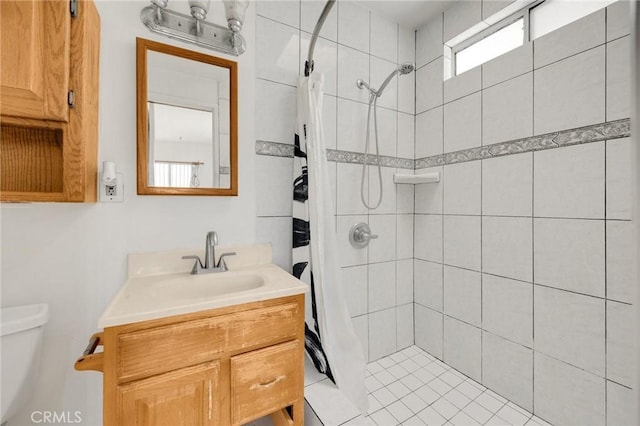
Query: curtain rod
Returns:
{"type": "Point", "coordinates": [308, 65]}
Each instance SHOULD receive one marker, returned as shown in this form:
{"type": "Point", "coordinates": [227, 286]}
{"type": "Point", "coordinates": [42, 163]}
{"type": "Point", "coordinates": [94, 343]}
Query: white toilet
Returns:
{"type": "Point", "coordinates": [21, 336]}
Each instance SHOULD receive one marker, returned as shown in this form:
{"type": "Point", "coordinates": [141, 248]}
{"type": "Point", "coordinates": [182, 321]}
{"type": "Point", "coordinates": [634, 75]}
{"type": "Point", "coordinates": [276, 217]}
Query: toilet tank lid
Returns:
{"type": "Point", "coordinates": [15, 319]}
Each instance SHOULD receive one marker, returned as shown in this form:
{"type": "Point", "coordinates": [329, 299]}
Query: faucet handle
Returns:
{"type": "Point", "coordinates": [197, 265]}
{"type": "Point", "coordinates": [221, 262]}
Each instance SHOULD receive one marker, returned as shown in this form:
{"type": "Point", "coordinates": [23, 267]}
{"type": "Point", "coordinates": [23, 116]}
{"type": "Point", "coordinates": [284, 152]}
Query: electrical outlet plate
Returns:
{"type": "Point", "coordinates": [112, 193]}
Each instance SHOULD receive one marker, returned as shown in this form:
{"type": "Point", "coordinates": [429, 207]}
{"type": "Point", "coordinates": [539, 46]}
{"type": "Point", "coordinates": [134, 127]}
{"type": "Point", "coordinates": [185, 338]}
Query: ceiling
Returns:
{"type": "Point", "coordinates": [408, 13]}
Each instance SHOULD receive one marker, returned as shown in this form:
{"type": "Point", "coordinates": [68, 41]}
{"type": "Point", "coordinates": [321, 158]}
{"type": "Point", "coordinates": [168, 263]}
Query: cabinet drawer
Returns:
{"type": "Point", "coordinates": [264, 381]}
{"type": "Point", "coordinates": [148, 352]}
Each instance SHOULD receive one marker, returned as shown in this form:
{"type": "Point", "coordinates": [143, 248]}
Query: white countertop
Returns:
{"type": "Point", "coordinates": [160, 285]}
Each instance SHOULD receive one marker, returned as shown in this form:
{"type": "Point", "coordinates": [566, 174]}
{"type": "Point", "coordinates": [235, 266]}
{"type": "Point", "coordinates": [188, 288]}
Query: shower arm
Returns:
{"type": "Point", "coordinates": [308, 65]}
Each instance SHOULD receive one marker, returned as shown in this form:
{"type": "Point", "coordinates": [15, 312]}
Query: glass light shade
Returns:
{"type": "Point", "coordinates": [199, 8]}
{"type": "Point", "coordinates": [235, 10]}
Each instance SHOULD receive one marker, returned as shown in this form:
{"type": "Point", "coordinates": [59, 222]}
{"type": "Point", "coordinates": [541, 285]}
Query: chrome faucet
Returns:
{"type": "Point", "coordinates": [209, 257]}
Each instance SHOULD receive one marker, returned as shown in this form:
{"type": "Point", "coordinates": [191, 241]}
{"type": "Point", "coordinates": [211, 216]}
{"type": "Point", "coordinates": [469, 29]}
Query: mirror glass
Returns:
{"type": "Point", "coordinates": [187, 134]}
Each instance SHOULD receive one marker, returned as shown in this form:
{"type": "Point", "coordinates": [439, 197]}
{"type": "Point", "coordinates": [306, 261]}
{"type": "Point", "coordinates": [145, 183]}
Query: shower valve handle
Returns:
{"type": "Point", "coordinates": [360, 235]}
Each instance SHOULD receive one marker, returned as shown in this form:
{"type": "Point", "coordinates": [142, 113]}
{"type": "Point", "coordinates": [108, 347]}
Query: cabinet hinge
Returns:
{"type": "Point", "coordinates": [71, 98]}
{"type": "Point", "coordinates": [73, 8]}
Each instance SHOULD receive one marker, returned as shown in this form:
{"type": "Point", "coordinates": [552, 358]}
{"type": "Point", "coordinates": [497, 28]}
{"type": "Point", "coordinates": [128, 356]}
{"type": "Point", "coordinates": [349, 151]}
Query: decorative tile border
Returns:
{"type": "Point", "coordinates": [274, 149]}
{"type": "Point", "coordinates": [594, 133]}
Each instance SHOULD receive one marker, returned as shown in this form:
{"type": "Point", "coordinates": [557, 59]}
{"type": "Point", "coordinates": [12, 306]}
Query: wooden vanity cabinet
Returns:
{"type": "Point", "coordinates": [49, 75]}
{"type": "Point", "coordinates": [225, 366]}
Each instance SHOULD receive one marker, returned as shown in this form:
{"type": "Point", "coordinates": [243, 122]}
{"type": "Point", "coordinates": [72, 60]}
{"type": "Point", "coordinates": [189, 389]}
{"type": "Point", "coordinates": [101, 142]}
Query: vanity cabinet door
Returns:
{"type": "Point", "coordinates": [264, 381]}
{"type": "Point", "coordinates": [189, 397]}
{"type": "Point", "coordinates": [35, 40]}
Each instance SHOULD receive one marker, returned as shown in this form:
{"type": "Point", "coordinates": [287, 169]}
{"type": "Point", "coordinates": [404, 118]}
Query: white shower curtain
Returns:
{"type": "Point", "coordinates": [330, 339]}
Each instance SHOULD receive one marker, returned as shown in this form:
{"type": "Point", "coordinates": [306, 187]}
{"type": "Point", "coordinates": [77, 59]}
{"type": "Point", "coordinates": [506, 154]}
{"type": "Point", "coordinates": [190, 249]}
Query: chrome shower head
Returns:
{"type": "Point", "coordinates": [406, 68]}
{"type": "Point", "coordinates": [403, 69]}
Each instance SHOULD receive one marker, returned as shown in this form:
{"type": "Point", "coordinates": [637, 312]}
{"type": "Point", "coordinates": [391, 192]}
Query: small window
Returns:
{"type": "Point", "coordinates": [491, 46]}
{"type": "Point", "coordinates": [553, 14]}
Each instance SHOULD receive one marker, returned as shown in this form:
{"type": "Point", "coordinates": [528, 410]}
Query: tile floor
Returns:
{"type": "Point", "coordinates": [412, 387]}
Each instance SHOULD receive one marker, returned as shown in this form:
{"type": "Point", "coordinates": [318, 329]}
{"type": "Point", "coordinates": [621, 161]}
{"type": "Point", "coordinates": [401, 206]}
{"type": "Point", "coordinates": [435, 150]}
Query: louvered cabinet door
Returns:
{"type": "Point", "coordinates": [34, 63]}
{"type": "Point", "coordinates": [186, 397]}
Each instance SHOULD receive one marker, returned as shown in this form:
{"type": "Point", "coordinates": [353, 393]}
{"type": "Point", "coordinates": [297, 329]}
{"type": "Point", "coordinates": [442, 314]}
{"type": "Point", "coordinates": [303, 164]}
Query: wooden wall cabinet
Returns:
{"type": "Point", "coordinates": [225, 366]}
{"type": "Point", "coordinates": [49, 76]}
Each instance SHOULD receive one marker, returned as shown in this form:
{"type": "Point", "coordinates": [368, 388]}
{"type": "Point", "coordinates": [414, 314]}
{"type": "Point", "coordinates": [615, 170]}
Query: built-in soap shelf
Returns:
{"type": "Point", "coordinates": [415, 179]}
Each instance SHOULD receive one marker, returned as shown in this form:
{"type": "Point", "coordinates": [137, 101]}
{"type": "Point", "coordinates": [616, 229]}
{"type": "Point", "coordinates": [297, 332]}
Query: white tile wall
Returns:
{"type": "Point", "coordinates": [427, 237]}
{"type": "Point", "coordinates": [404, 236]}
{"type": "Point", "coordinates": [569, 254]}
{"type": "Point", "coordinates": [287, 13]}
{"type": "Point", "coordinates": [570, 327]}
{"type": "Point", "coordinates": [462, 241]}
{"type": "Point", "coordinates": [429, 41]}
{"type": "Point", "coordinates": [355, 286]}
{"type": "Point", "coordinates": [567, 395]}
{"type": "Point", "coordinates": [384, 38]}
{"type": "Point", "coordinates": [428, 284]}
{"type": "Point", "coordinates": [463, 123]}
{"type": "Point", "coordinates": [618, 20]}
{"type": "Point", "coordinates": [490, 7]}
{"type": "Point", "coordinates": [462, 294]}
{"type": "Point", "coordinates": [570, 93]}
{"type": "Point", "coordinates": [429, 133]}
{"type": "Point", "coordinates": [277, 231]}
{"type": "Point", "coordinates": [382, 333]}
{"type": "Point", "coordinates": [351, 125]}
{"type": "Point", "coordinates": [620, 343]}
{"type": "Point", "coordinates": [429, 86]}
{"type": "Point", "coordinates": [620, 243]}
{"type": "Point", "coordinates": [407, 48]}
{"type": "Point", "coordinates": [460, 17]}
{"type": "Point", "coordinates": [428, 330]}
{"type": "Point", "coordinates": [348, 196]}
{"type": "Point", "coordinates": [507, 309]}
{"type": "Point", "coordinates": [274, 180]}
{"type": "Point", "coordinates": [462, 347]}
{"type": "Point", "coordinates": [310, 10]}
{"type": "Point", "coordinates": [569, 182]}
{"type": "Point", "coordinates": [353, 25]}
{"type": "Point", "coordinates": [277, 51]}
{"type": "Point", "coordinates": [507, 184]}
{"type": "Point", "coordinates": [512, 64]}
{"type": "Point", "coordinates": [406, 135]}
{"type": "Point", "coordinates": [353, 65]}
{"type": "Point", "coordinates": [382, 286]}
{"type": "Point", "coordinates": [388, 203]}
{"type": "Point", "coordinates": [463, 84]}
{"type": "Point", "coordinates": [619, 179]}
{"type": "Point", "coordinates": [462, 184]}
{"type": "Point", "coordinates": [507, 368]}
{"type": "Point", "coordinates": [404, 326]}
{"type": "Point", "coordinates": [618, 79]}
{"type": "Point", "coordinates": [507, 247]}
{"type": "Point", "coordinates": [277, 103]}
{"type": "Point", "coordinates": [404, 281]}
{"type": "Point", "coordinates": [573, 38]}
{"type": "Point", "coordinates": [507, 110]}
{"type": "Point", "coordinates": [619, 399]}
{"type": "Point", "coordinates": [428, 197]}
{"type": "Point", "coordinates": [384, 247]}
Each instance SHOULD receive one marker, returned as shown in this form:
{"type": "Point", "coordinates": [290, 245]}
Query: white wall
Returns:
{"type": "Point", "coordinates": [74, 256]}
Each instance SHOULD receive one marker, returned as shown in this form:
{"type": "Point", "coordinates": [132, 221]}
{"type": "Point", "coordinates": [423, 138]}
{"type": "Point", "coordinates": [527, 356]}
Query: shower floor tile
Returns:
{"type": "Point", "coordinates": [418, 389]}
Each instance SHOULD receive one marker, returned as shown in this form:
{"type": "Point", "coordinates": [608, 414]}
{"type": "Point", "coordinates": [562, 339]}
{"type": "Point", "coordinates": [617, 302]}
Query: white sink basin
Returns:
{"type": "Point", "coordinates": [207, 285]}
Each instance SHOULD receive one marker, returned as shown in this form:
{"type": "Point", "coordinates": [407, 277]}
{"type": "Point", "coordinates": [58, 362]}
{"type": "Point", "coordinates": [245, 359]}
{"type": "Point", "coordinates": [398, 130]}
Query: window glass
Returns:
{"type": "Point", "coordinates": [553, 14]}
{"type": "Point", "coordinates": [502, 41]}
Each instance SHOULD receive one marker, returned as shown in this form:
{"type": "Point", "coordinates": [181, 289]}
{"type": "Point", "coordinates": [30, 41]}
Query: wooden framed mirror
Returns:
{"type": "Point", "coordinates": [187, 118]}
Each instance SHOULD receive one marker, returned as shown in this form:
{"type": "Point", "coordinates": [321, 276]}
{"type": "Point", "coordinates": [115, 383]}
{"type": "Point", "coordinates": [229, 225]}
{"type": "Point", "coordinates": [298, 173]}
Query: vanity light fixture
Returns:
{"type": "Point", "coordinates": [195, 29]}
